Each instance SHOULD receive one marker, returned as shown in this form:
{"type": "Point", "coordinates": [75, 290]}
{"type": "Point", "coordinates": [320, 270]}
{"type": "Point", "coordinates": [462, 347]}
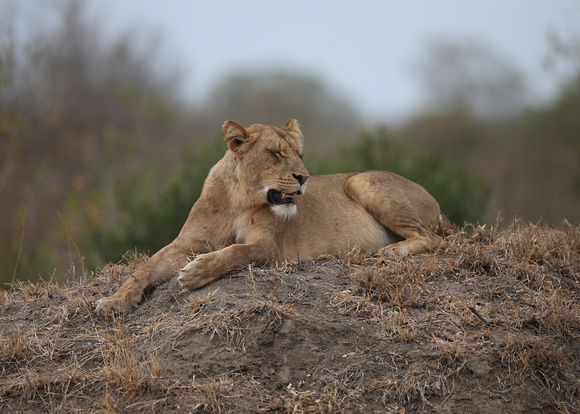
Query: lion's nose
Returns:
{"type": "Point", "coordinates": [300, 178]}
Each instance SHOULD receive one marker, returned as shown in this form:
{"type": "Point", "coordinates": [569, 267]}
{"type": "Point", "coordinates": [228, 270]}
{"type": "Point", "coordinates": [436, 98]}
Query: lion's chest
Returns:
{"type": "Point", "coordinates": [252, 226]}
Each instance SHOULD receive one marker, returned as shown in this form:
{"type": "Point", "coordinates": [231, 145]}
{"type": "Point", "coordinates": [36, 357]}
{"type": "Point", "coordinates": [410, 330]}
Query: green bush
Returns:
{"type": "Point", "coordinates": [145, 219]}
{"type": "Point", "coordinates": [147, 222]}
{"type": "Point", "coordinates": [462, 196]}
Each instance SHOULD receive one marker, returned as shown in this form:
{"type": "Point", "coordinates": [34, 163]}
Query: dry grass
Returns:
{"type": "Point", "coordinates": [534, 355]}
{"type": "Point", "coordinates": [397, 283]}
{"type": "Point", "coordinates": [329, 400]}
{"type": "Point", "coordinates": [122, 371]}
{"type": "Point", "coordinates": [544, 361]}
{"type": "Point", "coordinates": [198, 303]}
{"type": "Point", "coordinates": [504, 304]}
{"type": "Point", "coordinates": [23, 290]}
{"type": "Point", "coordinates": [526, 277]}
{"type": "Point", "coordinates": [420, 382]}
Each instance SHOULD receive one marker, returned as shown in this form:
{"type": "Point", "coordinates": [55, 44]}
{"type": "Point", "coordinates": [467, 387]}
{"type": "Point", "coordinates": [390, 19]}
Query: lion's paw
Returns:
{"type": "Point", "coordinates": [112, 305]}
{"type": "Point", "coordinates": [197, 273]}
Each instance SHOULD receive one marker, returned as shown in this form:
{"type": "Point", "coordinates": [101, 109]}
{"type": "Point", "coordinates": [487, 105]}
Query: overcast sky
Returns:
{"type": "Point", "coordinates": [364, 48]}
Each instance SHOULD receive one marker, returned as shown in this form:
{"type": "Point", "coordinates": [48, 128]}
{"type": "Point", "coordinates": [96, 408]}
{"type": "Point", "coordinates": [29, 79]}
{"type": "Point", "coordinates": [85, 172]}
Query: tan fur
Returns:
{"type": "Point", "coordinates": [233, 224]}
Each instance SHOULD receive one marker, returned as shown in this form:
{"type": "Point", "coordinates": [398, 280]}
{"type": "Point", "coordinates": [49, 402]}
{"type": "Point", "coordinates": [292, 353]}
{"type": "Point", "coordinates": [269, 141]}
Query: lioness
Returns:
{"type": "Point", "coordinates": [254, 207]}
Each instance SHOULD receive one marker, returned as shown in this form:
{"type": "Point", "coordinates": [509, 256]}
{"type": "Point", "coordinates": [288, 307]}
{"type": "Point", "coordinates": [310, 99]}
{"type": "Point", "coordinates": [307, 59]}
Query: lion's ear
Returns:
{"type": "Point", "coordinates": [293, 128]}
{"type": "Point", "coordinates": [235, 135]}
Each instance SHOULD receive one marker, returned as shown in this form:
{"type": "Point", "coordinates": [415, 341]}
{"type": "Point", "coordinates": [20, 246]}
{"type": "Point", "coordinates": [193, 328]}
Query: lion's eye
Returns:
{"type": "Point", "coordinates": [276, 153]}
{"type": "Point", "coordinates": [301, 156]}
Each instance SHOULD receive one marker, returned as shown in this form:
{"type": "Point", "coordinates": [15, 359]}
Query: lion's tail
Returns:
{"type": "Point", "coordinates": [444, 227]}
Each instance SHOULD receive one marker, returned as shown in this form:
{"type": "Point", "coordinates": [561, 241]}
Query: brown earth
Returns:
{"type": "Point", "coordinates": [490, 323]}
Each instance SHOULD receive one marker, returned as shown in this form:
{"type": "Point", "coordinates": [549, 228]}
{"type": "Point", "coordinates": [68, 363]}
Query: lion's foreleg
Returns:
{"type": "Point", "coordinates": [209, 267]}
{"type": "Point", "coordinates": [162, 266]}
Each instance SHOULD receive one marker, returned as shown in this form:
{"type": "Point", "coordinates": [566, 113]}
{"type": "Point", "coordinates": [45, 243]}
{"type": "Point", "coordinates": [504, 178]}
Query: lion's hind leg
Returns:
{"type": "Point", "coordinates": [402, 206]}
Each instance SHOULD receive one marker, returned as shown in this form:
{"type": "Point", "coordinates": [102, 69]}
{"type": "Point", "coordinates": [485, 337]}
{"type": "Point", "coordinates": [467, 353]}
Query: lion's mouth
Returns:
{"type": "Point", "coordinates": [277, 198]}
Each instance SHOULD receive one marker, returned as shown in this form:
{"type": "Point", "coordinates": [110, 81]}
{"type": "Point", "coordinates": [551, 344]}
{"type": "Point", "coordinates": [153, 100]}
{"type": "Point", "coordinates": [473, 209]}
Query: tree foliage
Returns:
{"type": "Point", "coordinates": [98, 151]}
{"type": "Point", "coordinates": [272, 96]}
{"type": "Point", "coordinates": [545, 150]}
{"type": "Point", "coordinates": [529, 159]}
{"type": "Point", "coordinates": [149, 223]}
{"type": "Point", "coordinates": [76, 115]}
{"type": "Point", "coordinates": [99, 154]}
{"type": "Point", "coordinates": [469, 74]}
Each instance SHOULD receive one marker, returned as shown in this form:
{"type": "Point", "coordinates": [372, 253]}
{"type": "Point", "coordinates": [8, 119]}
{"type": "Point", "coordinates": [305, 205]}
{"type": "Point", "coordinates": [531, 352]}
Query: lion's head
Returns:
{"type": "Point", "coordinates": [269, 163]}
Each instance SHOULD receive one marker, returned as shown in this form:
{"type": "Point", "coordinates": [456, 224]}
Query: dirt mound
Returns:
{"type": "Point", "coordinates": [490, 323]}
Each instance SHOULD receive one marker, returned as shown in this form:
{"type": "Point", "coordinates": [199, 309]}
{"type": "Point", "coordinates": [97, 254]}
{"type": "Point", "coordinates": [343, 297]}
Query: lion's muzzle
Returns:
{"type": "Point", "coordinates": [277, 198]}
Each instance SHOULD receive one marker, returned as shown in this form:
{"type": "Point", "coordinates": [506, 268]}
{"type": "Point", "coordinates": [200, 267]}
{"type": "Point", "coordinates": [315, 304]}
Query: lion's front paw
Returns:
{"type": "Point", "coordinates": [198, 273]}
{"type": "Point", "coordinates": [112, 305]}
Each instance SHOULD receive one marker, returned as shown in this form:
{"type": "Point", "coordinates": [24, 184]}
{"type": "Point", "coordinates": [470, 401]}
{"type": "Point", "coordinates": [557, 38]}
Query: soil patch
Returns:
{"type": "Point", "coordinates": [490, 323]}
